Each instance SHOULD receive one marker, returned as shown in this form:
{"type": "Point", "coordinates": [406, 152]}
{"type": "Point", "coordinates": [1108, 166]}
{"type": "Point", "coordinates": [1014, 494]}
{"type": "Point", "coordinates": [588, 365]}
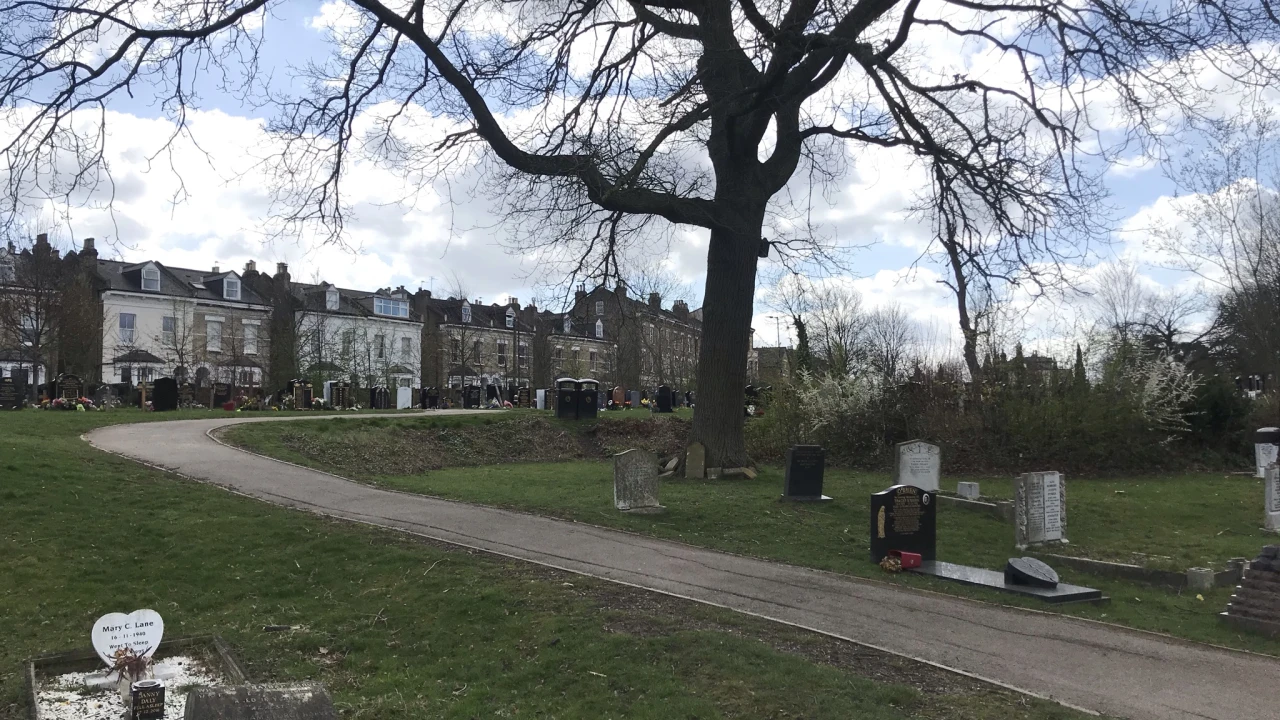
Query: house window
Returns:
{"type": "Point", "coordinates": [231, 288]}
{"type": "Point", "coordinates": [126, 375]}
{"type": "Point", "coordinates": [406, 347]}
{"type": "Point", "coordinates": [150, 279]}
{"type": "Point", "coordinates": [595, 362]}
{"type": "Point", "coordinates": [392, 307]}
{"type": "Point", "coordinates": [466, 313]}
{"type": "Point", "coordinates": [568, 325]}
{"type": "Point", "coordinates": [477, 352]}
{"type": "Point", "coordinates": [348, 339]}
{"type": "Point", "coordinates": [213, 336]}
{"type": "Point", "coordinates": [599, 307]}
{"type": "Point", "coordinates": [511, 319]}
{"type": "Point", "coordinates": [168, 330]}
{"type": "Point", "coordinates": [577, 355]}
{"type": "Point", "coordinates": [600, 328]}
{"type": "Point", "coordinates": [380, 346]}
{"type": "Point", "coordinates": [250, 339]}
{"type": "Point", "coordinates": [559, 354]}
{"type": "Point", "coordinates": [127, 323]}
{"type": "Point", "coordinates": [331, 300]}
{"type": "Point", "coordinates": [502, 353]}
{"type": "Point", "coordinates": [522, 354]}
{"type": "Point", "coordinates": [457, 350]}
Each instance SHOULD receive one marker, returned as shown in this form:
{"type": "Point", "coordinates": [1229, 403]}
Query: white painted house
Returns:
{"type": "Point", "coordinates": [193, 325]}
{"type": "Point", "coordinates": [373, 337]}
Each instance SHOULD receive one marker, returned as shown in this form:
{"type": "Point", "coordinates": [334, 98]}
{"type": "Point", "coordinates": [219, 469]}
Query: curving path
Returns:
{"type": "Point", "coordinates": [1087, 665]}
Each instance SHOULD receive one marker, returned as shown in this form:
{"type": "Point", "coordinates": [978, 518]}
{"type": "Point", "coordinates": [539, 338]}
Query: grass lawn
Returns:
{"type": "Point", "coordinates": [396, 627]}
{"type": "Point", "coordinates": [1165, 521]}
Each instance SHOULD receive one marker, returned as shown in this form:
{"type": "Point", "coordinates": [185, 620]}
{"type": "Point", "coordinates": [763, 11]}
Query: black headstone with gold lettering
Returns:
{"type": "Point", "coordinates": [260, 702]}
{"type": "Point", "coordinates": [10, 397]}
{"type": "Point", "coordinates": [70, 387]}
{"type": "Point", "coordinates": [147, 700]}
{"type": "Point", "coordinates": [904, 517]}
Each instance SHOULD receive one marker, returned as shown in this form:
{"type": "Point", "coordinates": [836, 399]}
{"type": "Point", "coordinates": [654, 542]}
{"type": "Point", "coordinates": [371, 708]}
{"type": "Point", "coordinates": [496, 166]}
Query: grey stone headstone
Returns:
{"type": "Point", "coordinates": [1039, 508]}
{"type": "Point", "coordinates": [968, 490]}
{"type": "Point", "coordinates": [635, 481]}
{"type": "Point", "coordinates": [1272, 481]}
{"type": "Point", "coordinates": [695, 461]}
{"type": "Point", "coordinates": [307, 701]}
{"type": "Point", "coordinates": [918, 463]}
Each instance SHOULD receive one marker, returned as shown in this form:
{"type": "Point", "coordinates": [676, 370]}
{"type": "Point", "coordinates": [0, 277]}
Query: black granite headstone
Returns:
{"type": "Point", "coordinates": [664, 399]}
{"type": "Point", "coordinates": [69, 387]}
{"type": "Point", "coordinates": [904, 517]}
{"type": "Point", "coordinates": [10, 398]}
{"type": "Point", "coordinates": [260, 702]}
{"type": "Point", "coordinates": [1030, 571]}
{"type": "Point", "coordinates": [147, 700]}
{"type": "Point", "coordinates": [221, 394]}
{"type": "Point", "coordinates": [806, 465]}
{"type": "Point", "coordinates": [164, 394]}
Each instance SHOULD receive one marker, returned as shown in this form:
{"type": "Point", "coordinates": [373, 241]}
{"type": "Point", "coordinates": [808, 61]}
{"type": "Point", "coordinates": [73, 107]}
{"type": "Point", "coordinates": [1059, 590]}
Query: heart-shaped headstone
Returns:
{"type": "Point", "coordinates": [140, 630]}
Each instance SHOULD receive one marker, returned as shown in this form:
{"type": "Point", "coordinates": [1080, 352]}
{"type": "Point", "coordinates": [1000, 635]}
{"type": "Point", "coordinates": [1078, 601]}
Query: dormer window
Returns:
{"type": "Point", "coordinates": [568, 325]}
{"type": "Point", "coordinates": [511, 318]}
{"type": "Point", "coordinates": [391, 307]}
{"type": "Point", "coordinates": [600, 328]}
{"type": "Point", "coordinates": [231, 288]}
{"type": "Point", "coordinates": [331, 299]}
{"type": "Point", "coordinates": [466, 313]}
{"type": "Point", "coordinates": [151, 278]}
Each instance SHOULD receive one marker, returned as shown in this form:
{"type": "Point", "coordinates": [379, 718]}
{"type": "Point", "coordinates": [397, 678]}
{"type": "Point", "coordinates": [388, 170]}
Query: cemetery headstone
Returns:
{"type": "Point", "coordinates": [664, 399]}
{"type": "Point", "coordinates": [540, 398]}
{"type": "Point", "coordinates": [404, 398]}
{"type": "Point", "coordinates": [70, 387]}
{"type": "Point", "coordinates": [221, 394]}
{"type": "Point", "coordinates": [141, 631]}
{"type": "Point", "coordinates": [147, 700]}
{"type": "Point", "coordinates": [1040, 508]}
{"type": "Point", "coordinates": [1255, 606]}
{"type": "Point", "coordinates": [471, 396]}
{"type": "Point", "coordinates": [341, 395]}
{"type": "Point", "coordinates": [164, 394]}
{"type": "Point", "coordinates": [1030, 571]}
{"type": "Point", "coordinates": [1266, 448]}
{"type": "Point", "coordinates": [918, 463]}
{"type": "Point", "coordinates": [695, 461]}
{"type": "Point", "coordinates": [904, 518]}
{"type": "Point", "coordinates": [523, 398]}
{"type": "Point", "coordinates": [1272, 482]}
{"type": "Point", "coordinates": [635, 399]}
{"type": "Point", "coordinates": [619, 397]}
{"type": "Point", "coordinates": [302, 395]}
{"type": "Point", "coordinates": [968, 490]}
{"type": "Point", "coordinates": [10, 398]}
{"type": "Point", "coordinates": [635, 482]}
{"type": "Point", "coordinates": [806, 466]}
{"type": "Point", "coordinates": [306, 701]}
{"type": "Point", "coordinates": [186, 394]}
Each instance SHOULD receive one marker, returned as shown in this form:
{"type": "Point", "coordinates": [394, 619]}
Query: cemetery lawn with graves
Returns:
{"type": "Point", "coordinates": [399, 627]}
{"type": "Point", "coordinates": [528, 461]}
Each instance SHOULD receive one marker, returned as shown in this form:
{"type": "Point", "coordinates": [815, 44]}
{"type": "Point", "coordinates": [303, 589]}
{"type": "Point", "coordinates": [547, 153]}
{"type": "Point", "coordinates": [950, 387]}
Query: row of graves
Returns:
{"type": "Point", "coordinates": [133, 672]}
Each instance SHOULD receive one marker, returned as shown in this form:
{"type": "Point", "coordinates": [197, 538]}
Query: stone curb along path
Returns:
{"type": "Point", "coordinates": [1086, 665]}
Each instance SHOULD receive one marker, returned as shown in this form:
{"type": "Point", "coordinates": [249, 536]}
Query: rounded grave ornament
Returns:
{"type": "Point", "coordinates": [140, 630]}
{"type": "Point", "coordinates": [1030, 571]}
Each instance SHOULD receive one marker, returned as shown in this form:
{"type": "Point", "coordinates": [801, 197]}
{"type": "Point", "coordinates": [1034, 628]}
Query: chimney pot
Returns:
{"type": "Point", "coordinates": [42, 239]}
{"type": "Point", "coordinates": [250, 266]}
{"type": "Point", "coordinates": [282, 268]}
{"type": "Point", "coordinates": [88, 244]}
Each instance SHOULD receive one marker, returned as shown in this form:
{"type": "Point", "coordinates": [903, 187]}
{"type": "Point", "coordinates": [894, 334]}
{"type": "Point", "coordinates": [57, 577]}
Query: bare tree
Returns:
{"type": "Point", "coordinates": [177, 339]}
{"type": "Point", "coordinates": [689, 112]}
{"type": "Point", "coordinates": [32, 281]}
{"type": "Point", "coordinates": [892, 341]}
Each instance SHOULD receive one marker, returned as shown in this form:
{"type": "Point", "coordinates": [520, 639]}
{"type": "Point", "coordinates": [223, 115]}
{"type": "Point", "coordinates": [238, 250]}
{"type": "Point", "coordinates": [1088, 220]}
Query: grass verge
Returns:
{"type": "Point", "coordinates": [1177, 522]}
{"type": "Point", "coordinates": [397, 627]}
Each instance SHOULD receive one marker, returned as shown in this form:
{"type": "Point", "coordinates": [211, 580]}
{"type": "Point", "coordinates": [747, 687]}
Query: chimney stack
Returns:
{"type": "Point", "coordinates": [514, 302]}
{"type": "Point", "coordinates": [42, 239]}
{"type": "Point", "coordinates": [655, 301]}
{"type": "Point", "coordinates": [88, 250]}
{"type": "Point", "coordinates": [250, 267]}
{"type": "Point", "coordinates": [216, 270]}
{"type": "Point", "coordinates": [680, 309]}
{"type": "Point", "coordinates": [282, 268]}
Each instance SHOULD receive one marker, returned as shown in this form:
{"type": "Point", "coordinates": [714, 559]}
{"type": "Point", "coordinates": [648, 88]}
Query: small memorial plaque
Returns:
{"type": "Point", "coordinates": [308, 701]}
{"type": "Point", "coordinates": [140, 630]}
{"type": "Point", "coordinates": [904, 517]}
{"type": "Point", "coordinates": [147, 701]}
{"type": "Point", "coordinates": [918, 463]}
{"type": "Point", "coordinates": [1039, 508]}
{"type": "Point", "coordinates": [10, 398]}
{"type": "Point", "coordinates": [806, 465]}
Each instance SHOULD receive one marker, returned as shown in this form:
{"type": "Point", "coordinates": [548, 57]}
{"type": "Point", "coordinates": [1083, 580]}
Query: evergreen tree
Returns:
{"type": "Point", "coordinates": [804, 356]}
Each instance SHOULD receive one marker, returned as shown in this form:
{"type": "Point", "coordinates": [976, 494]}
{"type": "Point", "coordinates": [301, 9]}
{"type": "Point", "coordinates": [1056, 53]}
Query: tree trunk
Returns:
{"type": "Point", "coordinates": [719, 416]}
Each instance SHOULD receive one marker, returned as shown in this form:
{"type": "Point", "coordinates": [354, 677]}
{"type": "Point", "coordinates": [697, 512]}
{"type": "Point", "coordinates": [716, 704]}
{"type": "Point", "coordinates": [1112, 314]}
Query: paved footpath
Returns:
{"type": "Point", "coordinates": [1087, 665]}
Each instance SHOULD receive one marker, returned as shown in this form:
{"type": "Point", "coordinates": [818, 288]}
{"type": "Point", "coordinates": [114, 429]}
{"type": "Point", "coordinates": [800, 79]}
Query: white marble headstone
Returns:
{"type": "Point", "coordinates": [1272, 481]}
{"type": "Point", "coordinates": [141, 630]}
{"type": "Point", "coordinates": [1040, 513]}
{"type": "Point", "coordinates": [918, 463]}
{"type": "Point", "coordinates": [1264, 454]}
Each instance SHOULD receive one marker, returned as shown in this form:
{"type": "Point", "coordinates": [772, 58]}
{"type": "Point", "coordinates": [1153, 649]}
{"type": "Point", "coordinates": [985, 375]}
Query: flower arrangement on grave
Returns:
{"type": "Point", "coordinates": [130, 668]}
